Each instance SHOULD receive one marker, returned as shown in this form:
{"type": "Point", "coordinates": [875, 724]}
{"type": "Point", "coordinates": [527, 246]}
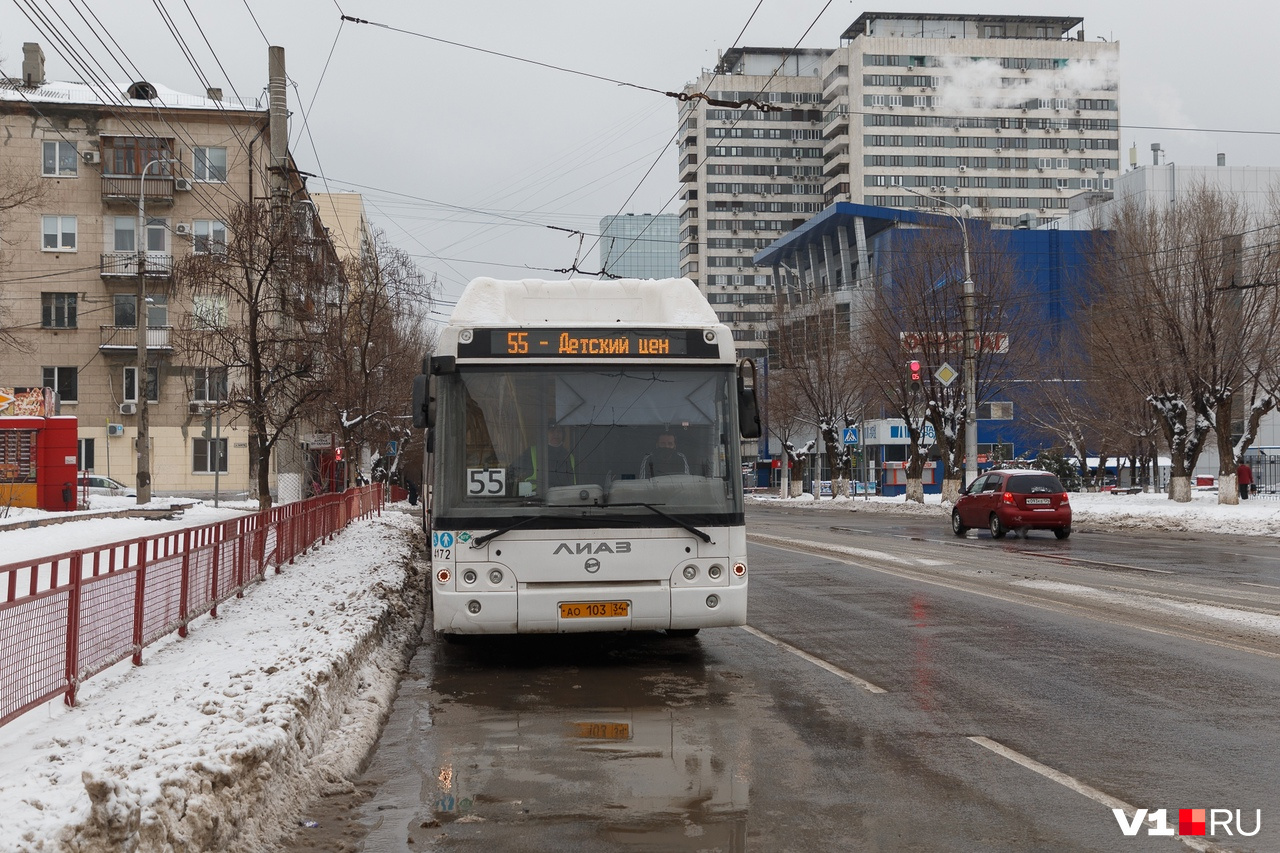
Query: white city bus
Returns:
{"type": "Point", "coordinates": [557, 502]}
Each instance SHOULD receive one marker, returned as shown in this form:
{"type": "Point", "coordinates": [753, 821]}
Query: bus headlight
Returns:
{"type": "Point", "coordinates": [713, 601]}
{"type": "Point", "coordinates": [495, 576]}
{"type": "Point", "coordinates": [473, 606]}
{"type": "Point", "coordinates": [714, 573]}
{"type": "Point", "coordinates": [690, 572]}
{"type": "Point", "coordinates": [469, 576]}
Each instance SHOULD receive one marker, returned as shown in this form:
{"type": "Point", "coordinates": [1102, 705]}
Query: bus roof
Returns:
{"type": "Point", "coordinates": [530, 302]}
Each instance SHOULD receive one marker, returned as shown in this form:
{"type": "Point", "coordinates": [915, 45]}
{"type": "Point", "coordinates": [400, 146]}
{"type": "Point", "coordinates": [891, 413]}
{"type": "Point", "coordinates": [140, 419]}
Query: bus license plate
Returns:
{"type": "Point", "coordinates": [594, 609]}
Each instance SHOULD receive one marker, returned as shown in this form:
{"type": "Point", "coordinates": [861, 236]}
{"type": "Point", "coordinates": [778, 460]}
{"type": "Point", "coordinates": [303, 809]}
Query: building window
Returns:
{"type": "Point", "coordinates": [127, 155]}
{"type": "Point", "coordinates": [209, 385]}
{"type": "Point", "coordinates": [131, 385]}
{"type": "Point", "coordinates": [210, 164]}
{"type": "Point", "coordinates": [59, 233]}
{"type": "Point", "coordinates": [996, 411]}
{"type": "Point", "coordinates": [208, 311]}
{"type": "Point", "coordinates": [125, 236]}
{"type": "Point", "coordinates": [208, 455]}
{"type": "Point", "coordinates": [62, 380]}
{"type": "Point", "coordinates": [84, 454]}
{"type": "Point", "coordinates": [209, 237]}
{"type": "Point", "coordinates": [60, 160]}
{"type": "Point", "coordinates": [58, 310]}
{"type": "Point", "coordinates": [157, 309]}
{"type": "Point", "coordinates": [125, 310]}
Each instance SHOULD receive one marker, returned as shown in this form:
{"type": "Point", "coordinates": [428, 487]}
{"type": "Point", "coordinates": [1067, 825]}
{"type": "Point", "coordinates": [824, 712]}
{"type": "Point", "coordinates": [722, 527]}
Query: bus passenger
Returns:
{"type": "Point", "coordinates": [554, 467]}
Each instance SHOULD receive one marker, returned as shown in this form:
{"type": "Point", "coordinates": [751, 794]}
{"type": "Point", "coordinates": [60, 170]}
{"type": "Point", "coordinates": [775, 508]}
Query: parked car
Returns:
{"type": "Point", "coordinates": [96, 484]}
{"type": "Point", "coordinates": [1017, 499]}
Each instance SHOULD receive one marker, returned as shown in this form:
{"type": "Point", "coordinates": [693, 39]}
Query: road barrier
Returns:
{"type": "Point", "coordinates": [68, 617]}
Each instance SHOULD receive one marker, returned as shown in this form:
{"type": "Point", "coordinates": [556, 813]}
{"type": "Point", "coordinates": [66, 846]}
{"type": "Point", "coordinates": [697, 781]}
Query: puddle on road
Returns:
{"type": "Point", "coordinates": [614, 742]}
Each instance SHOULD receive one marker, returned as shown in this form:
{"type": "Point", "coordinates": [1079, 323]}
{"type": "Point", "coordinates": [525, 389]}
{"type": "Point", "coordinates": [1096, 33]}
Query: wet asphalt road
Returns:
{"type": "Point", "coordinates": [912, 691]}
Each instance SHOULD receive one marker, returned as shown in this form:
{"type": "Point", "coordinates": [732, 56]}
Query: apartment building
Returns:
{"type": "Point", "coordinates": [131, 182]}
{"type": "Point", "coordinates": [1010, 115]}
{"type": "Point", "coordinates": [750, 171]}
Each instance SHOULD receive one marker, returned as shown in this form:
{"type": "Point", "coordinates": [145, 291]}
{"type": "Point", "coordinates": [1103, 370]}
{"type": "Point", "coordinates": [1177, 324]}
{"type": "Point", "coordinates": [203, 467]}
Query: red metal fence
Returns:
{"type": "Point", "coordinates": [68, 617]}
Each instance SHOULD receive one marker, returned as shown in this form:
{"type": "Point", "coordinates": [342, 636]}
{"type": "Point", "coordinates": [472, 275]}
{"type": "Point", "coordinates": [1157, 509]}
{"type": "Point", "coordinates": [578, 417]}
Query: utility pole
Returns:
{"type": "Point", "coordinates": [970, 343]}
{"type": "Point", "coordinates": [143, 441]}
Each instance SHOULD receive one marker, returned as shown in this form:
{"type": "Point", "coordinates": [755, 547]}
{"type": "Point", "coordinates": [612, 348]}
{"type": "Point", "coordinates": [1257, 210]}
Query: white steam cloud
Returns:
{"type": "Point", "coordinates": [965, 84]}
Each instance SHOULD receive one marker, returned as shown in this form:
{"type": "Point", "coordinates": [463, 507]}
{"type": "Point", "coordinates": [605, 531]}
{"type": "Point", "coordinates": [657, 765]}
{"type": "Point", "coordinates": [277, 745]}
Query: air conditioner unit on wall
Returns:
{"type": "Point", "coordinates": [128, 408]}
{"type": "Point", "coordinates": [91, 157]}
{"type": "Point", "coordinates": [182, 184]}
{"type": "Point", "coordinates": [115, 429]}
{"type": "Point", "coordinates": [182, 229]}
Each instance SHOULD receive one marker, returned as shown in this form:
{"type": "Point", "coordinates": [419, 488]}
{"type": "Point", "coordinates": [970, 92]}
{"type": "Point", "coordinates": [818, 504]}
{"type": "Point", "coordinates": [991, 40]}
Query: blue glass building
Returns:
{"type": "Point", "coordinates": [640, 245]}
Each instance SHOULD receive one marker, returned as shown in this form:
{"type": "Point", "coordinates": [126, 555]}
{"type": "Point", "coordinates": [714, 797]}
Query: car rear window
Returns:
{"type": "Point", "coordinates": [1030, 484]}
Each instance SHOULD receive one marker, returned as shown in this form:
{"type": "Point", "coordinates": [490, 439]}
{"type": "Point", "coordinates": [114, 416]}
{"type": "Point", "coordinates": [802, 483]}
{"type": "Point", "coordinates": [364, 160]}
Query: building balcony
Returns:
{"type": "Point", "coordinates": [125, 338]}
{"type": "Point", "coordinates": [124, 265]}
{"type": "Point", "coordinates": [125, 188]}
{"type": "Point", "coordinates": [689, 169]}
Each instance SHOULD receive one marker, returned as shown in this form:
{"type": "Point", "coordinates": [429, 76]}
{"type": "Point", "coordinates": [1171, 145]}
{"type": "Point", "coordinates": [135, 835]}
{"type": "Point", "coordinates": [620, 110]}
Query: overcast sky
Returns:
{"type": "Point", "coordinates": [465, 158]}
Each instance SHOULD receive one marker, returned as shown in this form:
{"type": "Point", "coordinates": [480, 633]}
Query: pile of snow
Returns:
{"type": "Point", "coordinates": [214, 741]}
{"type": "Point", "coordinates": [1258, 516]}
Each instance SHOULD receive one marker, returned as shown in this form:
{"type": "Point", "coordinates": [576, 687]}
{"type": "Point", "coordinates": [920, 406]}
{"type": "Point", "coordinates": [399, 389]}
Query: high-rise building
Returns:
{"type": "Point", "coordinates": [1008, 114]}
{"type": "Point", "coordinates": [751, 170]}
{"type": "Point", "coordinates": [640, 245]}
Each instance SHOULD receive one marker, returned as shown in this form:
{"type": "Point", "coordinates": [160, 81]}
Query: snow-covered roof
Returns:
{"type": "Point", "coordinates": [674, 301]}
{"type": "Point", "coordinates": [62, 92]}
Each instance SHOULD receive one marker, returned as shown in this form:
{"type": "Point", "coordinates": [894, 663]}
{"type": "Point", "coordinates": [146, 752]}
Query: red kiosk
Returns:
{"type": "Point", "coordinates": [37, 456]}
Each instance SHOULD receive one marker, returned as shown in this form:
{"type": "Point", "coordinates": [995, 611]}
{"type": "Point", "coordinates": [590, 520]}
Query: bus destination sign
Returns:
{"type": "Point", "coordinates": [551, 342]}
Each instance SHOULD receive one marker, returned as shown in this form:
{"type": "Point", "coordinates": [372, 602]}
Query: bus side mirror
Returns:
{"type": "Point", "coordinates": [424, 401]}
{"type": "Point", "coordinates": [748, 406]}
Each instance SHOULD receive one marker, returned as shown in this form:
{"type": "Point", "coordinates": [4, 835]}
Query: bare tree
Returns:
{"type": "Point", "coordinates": [786, 417]}
{"type": "Point", "coordinates": [379, 335]}
{"type": "Point", "coordinates": [919, 315]}
{"type": "Point", "coordinates": [259, 309]}
{"type": "Point", "coordinates": [814, 348]}
{"type": "Point", "coordinates": [1184, 314]}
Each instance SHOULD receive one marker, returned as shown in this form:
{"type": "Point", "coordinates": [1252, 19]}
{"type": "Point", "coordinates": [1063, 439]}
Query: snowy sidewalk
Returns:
{"type": "Point", "coordinates": [212, 742]}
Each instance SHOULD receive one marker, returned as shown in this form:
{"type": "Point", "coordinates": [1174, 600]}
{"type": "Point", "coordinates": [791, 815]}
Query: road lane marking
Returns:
{"type": "Point", "coordinates": [1080, 787]}
{"type": "Point", "coordinates": [1083, 562]}
{"type": "Point", "coordinates": [816, 661]}
{"type": "Point", "coordinates": [1008, 595]}
{"type": "Point", "coordinates": [1263, 585]}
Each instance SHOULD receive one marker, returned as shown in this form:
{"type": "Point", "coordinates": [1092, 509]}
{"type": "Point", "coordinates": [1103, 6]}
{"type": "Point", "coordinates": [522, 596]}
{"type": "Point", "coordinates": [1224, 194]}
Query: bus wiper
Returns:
{"type": "Point", "coordinates": [705, 537]}
{"type": "Point", "coordinates": [480, 541]}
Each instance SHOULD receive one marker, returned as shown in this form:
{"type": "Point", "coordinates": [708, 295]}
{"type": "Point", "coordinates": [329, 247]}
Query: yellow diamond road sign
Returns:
{"type": "Point", "coordinates": [946, 374]}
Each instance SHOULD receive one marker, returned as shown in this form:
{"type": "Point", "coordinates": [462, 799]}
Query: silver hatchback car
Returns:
{"type": "Point", "coordinates": [96, 484]}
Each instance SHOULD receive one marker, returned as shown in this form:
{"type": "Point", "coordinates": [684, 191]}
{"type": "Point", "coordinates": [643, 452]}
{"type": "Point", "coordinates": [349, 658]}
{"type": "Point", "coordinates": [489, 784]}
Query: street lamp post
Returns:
{"type": "Point", "coordinates": [970, 344]}
{"type": "Point", "coordinates": [140, 379]}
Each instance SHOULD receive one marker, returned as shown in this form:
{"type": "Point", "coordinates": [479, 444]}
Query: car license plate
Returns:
{"type": "Point", "coordinates": [602, 731]}
{"type": "Point", "coordinates": [1038, 501]}
{"type": "Point", "coordinates": [594, 609]}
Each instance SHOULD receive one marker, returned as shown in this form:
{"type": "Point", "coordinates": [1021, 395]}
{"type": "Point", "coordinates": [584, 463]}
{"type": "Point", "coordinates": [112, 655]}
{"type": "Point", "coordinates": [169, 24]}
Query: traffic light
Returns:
{"type": "Point", "coordinates": [914, 373]}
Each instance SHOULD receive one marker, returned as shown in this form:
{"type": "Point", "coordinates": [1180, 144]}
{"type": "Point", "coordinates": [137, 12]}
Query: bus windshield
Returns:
{"type": "Point", "coordinates": [573, 445]}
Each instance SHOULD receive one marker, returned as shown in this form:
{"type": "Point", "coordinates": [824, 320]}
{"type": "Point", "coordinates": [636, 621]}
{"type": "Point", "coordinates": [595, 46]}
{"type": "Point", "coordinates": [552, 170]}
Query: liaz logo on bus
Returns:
{"type": "Point", "coordinates": [592, 548]}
